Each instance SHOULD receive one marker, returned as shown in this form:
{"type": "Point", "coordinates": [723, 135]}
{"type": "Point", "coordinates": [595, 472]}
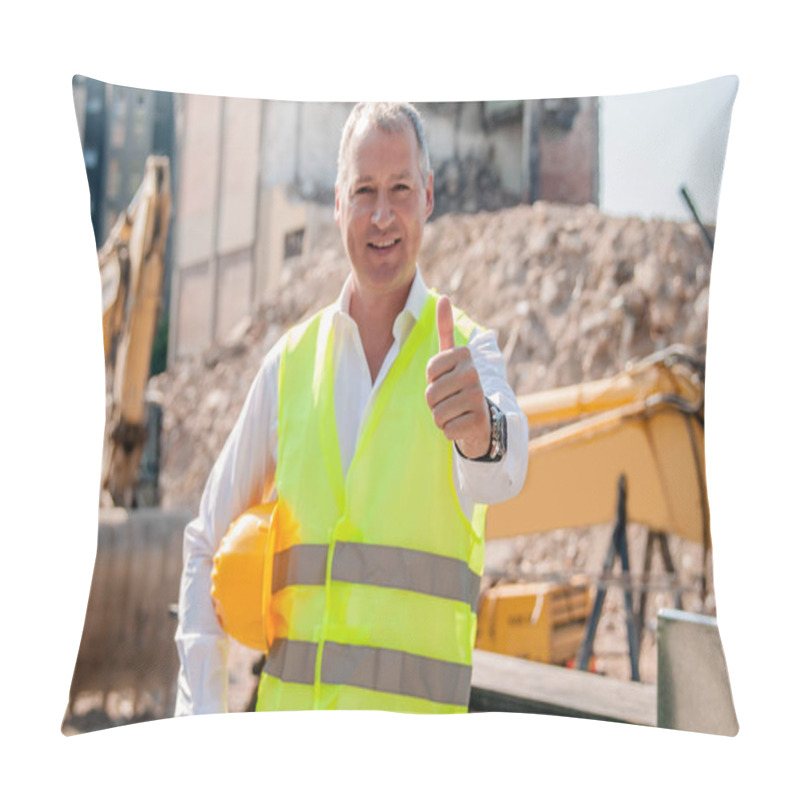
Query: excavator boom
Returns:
{"type": "Point", "coordinates": [132, 271]}
{"type": "Point", "coordinates": [645, 423]}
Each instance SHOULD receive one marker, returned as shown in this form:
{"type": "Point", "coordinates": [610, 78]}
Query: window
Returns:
{"type": "Point", "coordinates": [293, 243]}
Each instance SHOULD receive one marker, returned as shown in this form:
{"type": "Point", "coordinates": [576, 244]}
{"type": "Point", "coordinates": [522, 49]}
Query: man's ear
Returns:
{"type": "Point", "coordinates": [429, 196]}
{"type": "Point", "coordinates": [336, 203]}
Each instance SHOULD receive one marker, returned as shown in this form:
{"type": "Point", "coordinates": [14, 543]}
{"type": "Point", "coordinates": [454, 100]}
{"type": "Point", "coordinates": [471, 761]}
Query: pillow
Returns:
{"type": "Point", "coordinates": [581, 229]}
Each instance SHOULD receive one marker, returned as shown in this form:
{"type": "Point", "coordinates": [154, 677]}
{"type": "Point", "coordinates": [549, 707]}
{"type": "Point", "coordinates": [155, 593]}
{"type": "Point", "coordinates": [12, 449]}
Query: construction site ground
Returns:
{"type": "Point", "coordinates": [573, 295]}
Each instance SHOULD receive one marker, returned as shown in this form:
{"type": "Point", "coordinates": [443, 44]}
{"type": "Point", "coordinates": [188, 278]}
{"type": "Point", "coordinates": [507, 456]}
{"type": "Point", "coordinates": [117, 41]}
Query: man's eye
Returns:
{"type": "Point", "coordinates": [364, 190]}
{"type": "Point", "coordinates": [401, 187]}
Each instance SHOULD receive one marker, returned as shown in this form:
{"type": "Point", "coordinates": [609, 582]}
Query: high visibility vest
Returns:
{"type": "Point", "coordinates": [376, 574]}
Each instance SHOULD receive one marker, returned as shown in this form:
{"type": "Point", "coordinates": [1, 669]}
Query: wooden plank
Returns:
{"type": "Point", "coordinates": [503, 683]}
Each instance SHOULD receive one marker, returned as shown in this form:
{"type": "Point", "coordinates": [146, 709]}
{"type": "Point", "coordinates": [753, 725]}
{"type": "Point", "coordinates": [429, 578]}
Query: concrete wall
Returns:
{"type": "Point", "coordinates": [192, 309]}
{"type": "Point", "coordinates": [239, 174]}
{"type": "Point", "coordinates": [569, 154]}
{"type": "Point", "coordinates": [196, 193]}
{"type": "Point", "coordinates": [216, 219]}
{"type": "Point", "coordinates": [300, 147]}
{"type": "Point", "coordinates": [236, 156]}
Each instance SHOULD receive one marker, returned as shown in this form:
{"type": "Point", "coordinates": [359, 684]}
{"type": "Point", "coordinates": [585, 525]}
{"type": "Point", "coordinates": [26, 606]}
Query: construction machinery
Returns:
{"type": "Point", "coordinates": [645, 422]}
{"type": "Point", "coordinates": [628, 448]}
{"type": "Point", "coordinates": [126, 643]}
{"type": "Point", "coordinates": [132, 273]}
{"type": "Point", "coordinates": [542, 621]}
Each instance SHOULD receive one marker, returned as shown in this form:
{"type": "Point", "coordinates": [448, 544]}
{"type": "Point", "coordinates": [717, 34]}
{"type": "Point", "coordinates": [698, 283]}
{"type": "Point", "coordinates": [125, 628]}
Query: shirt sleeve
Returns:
{"type": "Point", "coordinates": [236, 482]}
{"type": "Point", "coordinates": [487, 482]}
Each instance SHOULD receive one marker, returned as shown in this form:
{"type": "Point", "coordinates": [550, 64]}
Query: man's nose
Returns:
{"type": "Point", "coordinates": [382, 214]}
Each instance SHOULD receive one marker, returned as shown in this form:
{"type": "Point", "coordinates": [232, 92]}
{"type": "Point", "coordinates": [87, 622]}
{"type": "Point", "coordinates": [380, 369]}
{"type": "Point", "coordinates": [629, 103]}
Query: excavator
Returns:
{"type": "Point", "coordinates": [628, 448]}
{"type": "Point", "coordinates": [132, 273]}
{"type": "Point", "coordinates": [645, 422]}
{"type": "Point", "coordinates": [126, 613]}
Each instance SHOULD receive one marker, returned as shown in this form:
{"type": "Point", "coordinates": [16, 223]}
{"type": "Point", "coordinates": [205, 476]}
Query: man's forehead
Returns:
{"type": "Point", "coordinates": [356, 154]}
{"type": "Point", "coordinates": [366, 125]}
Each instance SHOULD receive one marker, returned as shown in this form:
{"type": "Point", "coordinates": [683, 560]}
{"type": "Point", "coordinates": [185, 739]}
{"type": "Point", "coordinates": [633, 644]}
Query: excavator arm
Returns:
{"type": "Point", "coordinates": [645, 423]}
{"type": "Point", "coordinates": [132, 271]}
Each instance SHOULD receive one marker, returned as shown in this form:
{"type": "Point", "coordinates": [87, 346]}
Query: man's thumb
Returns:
{"type": "Point", "coordinates": [444, 323]}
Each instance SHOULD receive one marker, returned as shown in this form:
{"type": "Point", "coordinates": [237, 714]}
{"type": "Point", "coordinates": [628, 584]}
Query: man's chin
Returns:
{"type": "Point", "coordinates": [386, 281]}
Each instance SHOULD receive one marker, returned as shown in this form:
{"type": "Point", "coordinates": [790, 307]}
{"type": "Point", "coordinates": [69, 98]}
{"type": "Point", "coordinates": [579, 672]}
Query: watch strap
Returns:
{"type": "Point", "coordinates": [498, 439]}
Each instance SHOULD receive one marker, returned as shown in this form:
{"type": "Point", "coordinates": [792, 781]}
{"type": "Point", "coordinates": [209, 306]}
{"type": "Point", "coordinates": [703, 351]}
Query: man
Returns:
{"type": "Point", "coordinates": [386, 423]}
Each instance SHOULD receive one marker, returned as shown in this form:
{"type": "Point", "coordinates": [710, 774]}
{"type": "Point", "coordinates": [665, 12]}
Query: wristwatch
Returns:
{"type": "Point", "coordinates": [497, 446]}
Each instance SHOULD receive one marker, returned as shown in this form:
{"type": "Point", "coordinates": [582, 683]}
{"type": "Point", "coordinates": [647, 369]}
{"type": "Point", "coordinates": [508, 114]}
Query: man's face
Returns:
{"type": "Point", "coordinates": [381, 209]}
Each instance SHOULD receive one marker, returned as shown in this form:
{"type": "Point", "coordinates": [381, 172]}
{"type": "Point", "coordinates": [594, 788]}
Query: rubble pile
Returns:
{"type": "Point", "coordinates": [573, 295]}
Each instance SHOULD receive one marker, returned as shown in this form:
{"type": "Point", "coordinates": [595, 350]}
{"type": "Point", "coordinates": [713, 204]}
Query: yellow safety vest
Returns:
{"type": "Point", "coordinates": [376, 574]}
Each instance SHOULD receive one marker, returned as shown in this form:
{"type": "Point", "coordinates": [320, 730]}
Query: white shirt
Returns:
{"type": "Point", "coordinates": [248, 459]}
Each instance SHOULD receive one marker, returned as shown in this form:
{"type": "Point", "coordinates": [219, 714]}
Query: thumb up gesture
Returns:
{"type": "Point", "coordinates": [454, 394]}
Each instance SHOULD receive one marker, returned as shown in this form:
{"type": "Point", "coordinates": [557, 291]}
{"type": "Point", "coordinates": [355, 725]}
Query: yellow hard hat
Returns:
{"type": "Point", "coordinates": [241, 578]}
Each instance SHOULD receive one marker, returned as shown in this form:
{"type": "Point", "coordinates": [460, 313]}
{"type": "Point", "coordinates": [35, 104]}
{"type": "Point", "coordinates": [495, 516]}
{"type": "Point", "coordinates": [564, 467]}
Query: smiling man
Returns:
{"type": "Point", "coordinates": [384, 195]}
{"type": "Point", "coordinates": [385, 425]}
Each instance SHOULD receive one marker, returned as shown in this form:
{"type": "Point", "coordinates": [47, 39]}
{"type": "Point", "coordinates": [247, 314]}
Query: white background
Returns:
{"type": "Point", "coordinates": [52, 383]}
{"type": "Point", "coordinates": [656, 142]}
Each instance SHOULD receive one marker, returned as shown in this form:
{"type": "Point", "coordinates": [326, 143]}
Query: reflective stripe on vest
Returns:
{"type": "Point", "coordinates": [378, 565]}
{"type": "Point", "coordinates": [376, 573]}
{"type": "Point", "coordinates": [292, 661]}
{"type": "Point", "coordinates": [370, 668]}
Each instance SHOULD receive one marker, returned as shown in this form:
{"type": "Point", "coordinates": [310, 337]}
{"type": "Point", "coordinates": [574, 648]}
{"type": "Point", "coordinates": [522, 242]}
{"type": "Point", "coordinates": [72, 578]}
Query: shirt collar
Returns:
{"type": "Point", "coordinates": [405, 320]}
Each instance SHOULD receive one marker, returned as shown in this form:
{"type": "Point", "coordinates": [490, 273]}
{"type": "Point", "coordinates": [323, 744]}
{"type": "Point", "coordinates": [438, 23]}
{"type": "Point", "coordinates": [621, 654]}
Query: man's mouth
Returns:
{"type": "Point", "coordinates": [383, 245]}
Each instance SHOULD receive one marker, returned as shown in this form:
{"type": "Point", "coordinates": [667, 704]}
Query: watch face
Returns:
{"type": "Point", "coordinates": [498, 432]}
{"type": "Point", "coordinates": [497, 422]}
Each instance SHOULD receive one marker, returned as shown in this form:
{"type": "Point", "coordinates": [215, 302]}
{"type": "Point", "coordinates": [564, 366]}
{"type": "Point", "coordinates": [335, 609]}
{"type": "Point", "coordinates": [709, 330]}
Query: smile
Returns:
{"type": "Point", "coordinates": [383, 245]}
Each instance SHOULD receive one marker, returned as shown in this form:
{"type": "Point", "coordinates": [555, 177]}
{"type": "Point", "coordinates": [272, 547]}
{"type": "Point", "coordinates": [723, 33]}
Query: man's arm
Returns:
{"type": "Point", "coordinates": [236, 482]}
{"type": "Point", "coordinates": [459, 381]}
{"type": "Point", "coordinates": [486, 482]}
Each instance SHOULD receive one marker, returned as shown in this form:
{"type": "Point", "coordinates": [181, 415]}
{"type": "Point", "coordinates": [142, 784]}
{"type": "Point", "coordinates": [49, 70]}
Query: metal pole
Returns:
{"type": "Point", "coordinates": [622, 549]}
{"type": "Point", "coordinates": [706, 234]}
{"type": "Point", "coordinates": [591, 626]}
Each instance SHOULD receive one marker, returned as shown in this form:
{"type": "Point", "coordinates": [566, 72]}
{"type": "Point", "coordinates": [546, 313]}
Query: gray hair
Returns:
{"type": "Point", "coordinates": [390, 117]}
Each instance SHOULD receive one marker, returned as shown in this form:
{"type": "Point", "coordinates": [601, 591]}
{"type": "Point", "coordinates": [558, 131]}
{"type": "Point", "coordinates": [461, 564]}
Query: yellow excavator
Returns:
{"type": "Point", "coordinates": [132, 273]}
{"type": "Point", "coordinates": [645, 422]}
{"type": "Point", "coordinates": [127, 635]}
{"type": "Point", "coordinates": [629, 448]}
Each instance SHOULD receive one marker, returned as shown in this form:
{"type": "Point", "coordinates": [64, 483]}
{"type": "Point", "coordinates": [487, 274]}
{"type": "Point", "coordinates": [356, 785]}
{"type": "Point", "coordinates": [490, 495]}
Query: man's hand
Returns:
{"type": "Point", "coordinates": [454, 392]}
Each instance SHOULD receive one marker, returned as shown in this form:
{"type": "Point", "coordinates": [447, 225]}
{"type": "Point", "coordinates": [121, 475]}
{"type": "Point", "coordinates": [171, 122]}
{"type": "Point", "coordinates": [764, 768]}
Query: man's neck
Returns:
{"type": "Point", "coordinates": [375, 315]}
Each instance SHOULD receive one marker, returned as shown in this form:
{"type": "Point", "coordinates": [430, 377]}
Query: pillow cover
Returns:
{"type": "Point", "coordinates": [580, 229]}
